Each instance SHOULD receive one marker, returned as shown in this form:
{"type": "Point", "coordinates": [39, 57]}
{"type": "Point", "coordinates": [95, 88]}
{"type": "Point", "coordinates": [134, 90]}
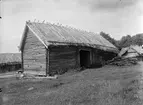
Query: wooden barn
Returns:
{"type": "Point", "coordinates": [10, 62]}
{"type": "Point", "coordinates": [49, 49]}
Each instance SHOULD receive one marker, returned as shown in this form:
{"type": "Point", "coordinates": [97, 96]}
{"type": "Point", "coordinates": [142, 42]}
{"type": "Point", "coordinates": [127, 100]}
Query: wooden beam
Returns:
{"type": "Point", "coordinates": [22, 61]}
{"type": "Point", "coordinates": [47, 62]}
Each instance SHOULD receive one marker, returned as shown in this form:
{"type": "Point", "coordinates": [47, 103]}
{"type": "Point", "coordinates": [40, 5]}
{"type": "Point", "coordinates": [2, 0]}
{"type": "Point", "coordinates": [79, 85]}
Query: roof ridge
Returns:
{"type": "Point", "coordinates": [61, 25]}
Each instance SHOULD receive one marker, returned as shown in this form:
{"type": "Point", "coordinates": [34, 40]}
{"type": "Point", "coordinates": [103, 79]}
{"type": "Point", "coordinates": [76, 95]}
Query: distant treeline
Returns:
{"type": "Point", "coordinates": [125, 41]}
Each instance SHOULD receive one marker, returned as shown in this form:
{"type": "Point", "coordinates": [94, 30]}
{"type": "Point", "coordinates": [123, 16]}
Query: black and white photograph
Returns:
{"type": "Point", "coordinates": [71, 52]}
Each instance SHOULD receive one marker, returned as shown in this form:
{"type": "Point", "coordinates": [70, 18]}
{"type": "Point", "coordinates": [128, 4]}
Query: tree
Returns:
{"type": "Point", "coordinates": [125, 41]}
{"type": "Point", "coordinates": [107, 37]}
{"type": "Point", "coordinates": [134, 40]}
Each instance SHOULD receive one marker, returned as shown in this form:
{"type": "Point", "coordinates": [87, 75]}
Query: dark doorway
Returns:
{"type": "Point", "coordinates": [84, 58]}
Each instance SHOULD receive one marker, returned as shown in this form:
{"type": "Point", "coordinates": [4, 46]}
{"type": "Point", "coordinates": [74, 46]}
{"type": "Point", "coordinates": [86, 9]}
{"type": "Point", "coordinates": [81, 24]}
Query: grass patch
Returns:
{"type": "Point", "coordinates": [109, 85]}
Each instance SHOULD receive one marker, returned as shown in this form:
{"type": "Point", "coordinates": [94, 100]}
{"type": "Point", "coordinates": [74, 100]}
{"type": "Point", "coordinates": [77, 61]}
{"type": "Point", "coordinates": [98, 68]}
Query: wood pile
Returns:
{"type": "Point", "coordinates": [119, 61]}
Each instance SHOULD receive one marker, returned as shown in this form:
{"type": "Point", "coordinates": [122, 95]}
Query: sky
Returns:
{"type": "Point", "coordinates": [115, 17]}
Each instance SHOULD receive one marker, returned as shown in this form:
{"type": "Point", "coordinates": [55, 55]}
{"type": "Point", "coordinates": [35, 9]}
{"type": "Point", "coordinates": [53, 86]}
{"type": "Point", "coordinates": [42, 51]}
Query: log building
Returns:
{"type": "Point", "coordinates": [49, 49]}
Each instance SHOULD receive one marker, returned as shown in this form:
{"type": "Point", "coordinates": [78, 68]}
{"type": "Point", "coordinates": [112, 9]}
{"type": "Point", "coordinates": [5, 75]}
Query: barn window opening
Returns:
{"type": "Point", "coordinates": [84, 58]}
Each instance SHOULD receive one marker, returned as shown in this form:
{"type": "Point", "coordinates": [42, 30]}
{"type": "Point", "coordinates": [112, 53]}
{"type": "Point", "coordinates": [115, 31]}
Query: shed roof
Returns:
{"type": "Point", "coordinates": [51, 34]}
{"type": "Point", "coordinates": [132, 49]}
{"type": "Point", "coordinates": [10, 58]}
{"type": "Point", "coordinates": [137, 48]}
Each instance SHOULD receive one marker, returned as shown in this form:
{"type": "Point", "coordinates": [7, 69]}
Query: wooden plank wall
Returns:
{"type": "Point", "coordinates": [62, 59]}
{"type": "Point", "coordinates": [34, 55]}
{"type": "Point", "coordinates": [100, 57]}
{"type": "Point", "coordinates": [96, 58]}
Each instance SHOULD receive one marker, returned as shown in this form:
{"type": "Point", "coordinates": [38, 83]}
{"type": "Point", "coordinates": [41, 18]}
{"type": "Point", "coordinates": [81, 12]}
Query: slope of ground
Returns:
{"type": "Point", "coordinates": [109, 85]}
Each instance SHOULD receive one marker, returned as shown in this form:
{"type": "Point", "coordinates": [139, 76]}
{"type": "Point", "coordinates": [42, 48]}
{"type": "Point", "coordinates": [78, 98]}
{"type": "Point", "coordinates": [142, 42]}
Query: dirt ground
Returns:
{"type": "Point", "coordinates": [109, 85]}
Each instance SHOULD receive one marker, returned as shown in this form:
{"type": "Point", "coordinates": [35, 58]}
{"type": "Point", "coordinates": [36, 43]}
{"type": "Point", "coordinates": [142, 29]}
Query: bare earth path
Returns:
{"type": "Point", "coordinates": [109, 85]}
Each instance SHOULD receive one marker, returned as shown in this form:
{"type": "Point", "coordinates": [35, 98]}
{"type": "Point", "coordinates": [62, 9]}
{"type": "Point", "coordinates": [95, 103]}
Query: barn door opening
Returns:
{"type": "Point", "coordinates": [84, 58]}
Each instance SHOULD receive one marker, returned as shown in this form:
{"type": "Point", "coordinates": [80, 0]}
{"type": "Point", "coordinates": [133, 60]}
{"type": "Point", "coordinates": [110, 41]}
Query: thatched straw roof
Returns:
{"type": "Point", "coordinates": [9, 58]}
{"type": "Point", "coordinates": [51, 34]}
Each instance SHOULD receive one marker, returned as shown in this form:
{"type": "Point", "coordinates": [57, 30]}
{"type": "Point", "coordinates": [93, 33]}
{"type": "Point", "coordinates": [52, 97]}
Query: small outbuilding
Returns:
{"type": "Point", "coordinates": [49, 49]}
{"type": "Point", "coordinates": [133, 51]}
{"type": "Point", "coordinates": [10, 62]}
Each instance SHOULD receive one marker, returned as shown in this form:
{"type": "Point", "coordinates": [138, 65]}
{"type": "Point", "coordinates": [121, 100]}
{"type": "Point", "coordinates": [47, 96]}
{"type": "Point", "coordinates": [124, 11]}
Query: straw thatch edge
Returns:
{"type": "Point", "coordinates": [105, 48]}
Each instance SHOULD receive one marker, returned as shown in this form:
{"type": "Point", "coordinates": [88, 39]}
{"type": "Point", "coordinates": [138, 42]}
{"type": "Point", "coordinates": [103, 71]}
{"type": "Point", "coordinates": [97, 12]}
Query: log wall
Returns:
{"type": "Point", "coordinates": [34, 55]}
{"type": "Point", "coordinates": [62, 59]}
{"type": "Point", "coordinates": [101, 57]}
{"type": "Point", "coordinates": [97, 59]}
